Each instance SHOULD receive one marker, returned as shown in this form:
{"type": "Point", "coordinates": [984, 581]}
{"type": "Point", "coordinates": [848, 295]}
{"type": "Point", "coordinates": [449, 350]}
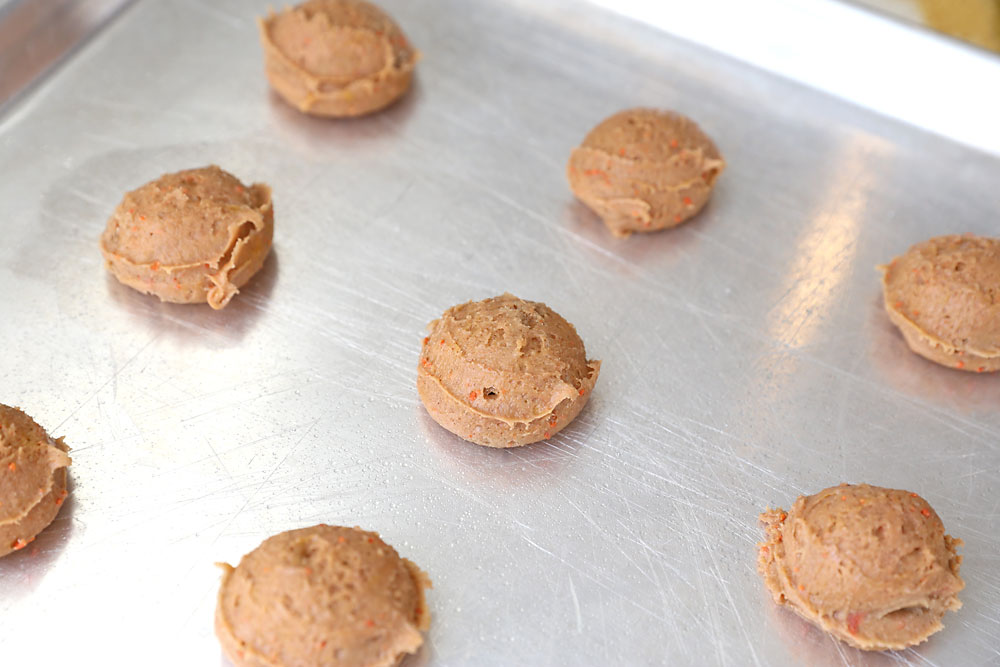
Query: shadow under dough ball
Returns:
{"type": "Point", "coordinates": [193, 236]}
{"type": "Point", "coordinates": [643, 170]}
{"type": "Point", "coordinates": [871, 566]}
{"type": "Point", "coordinates": [336, 58]}
{"type": "Point", "coordinates": [944, 295]}
{"type": "Point", "coordinates": [32, 479]}
{"type": "Point", "coordinates": [323, 595]}
{"type": "Point", "coordinates": [504, 372]}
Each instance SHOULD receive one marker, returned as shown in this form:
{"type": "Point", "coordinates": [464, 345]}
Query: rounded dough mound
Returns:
{"type": "Point", "coordinates": [504, 372]}
{"type": "Point", "coordinates": [871, 566]}
{"type": "Point", "coordinates": [32, 479]}
{"type": "Point", "coordinates": [323, 595]}
{"type": "Point", "coordinates": [642, 170]}
{"type": "Point", "coordinates": [336, 57]}
{"type": "Point", "coordinates": [944, 295]}
{"type": "Point", "coordinates": [193, 236]}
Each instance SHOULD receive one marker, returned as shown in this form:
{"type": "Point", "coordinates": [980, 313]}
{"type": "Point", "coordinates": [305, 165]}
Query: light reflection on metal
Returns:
{"type": "Point", "coordinates": [825, 249]}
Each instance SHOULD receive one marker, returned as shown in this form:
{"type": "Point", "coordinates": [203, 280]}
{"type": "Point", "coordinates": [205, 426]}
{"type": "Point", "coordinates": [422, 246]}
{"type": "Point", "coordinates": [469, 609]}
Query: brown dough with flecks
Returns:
{"type": "Point", "coordinates": [323, 595]}
{"type": "Point", "coordinates": [336, 57]}
{"type": "Point", "coordinates": [944, 295]}
{"type": "Point", "coordinates": [32, 479]}
{"type": "Point", "coordinates": [504, 372]}
{"type": "Point", "coordinates": [871, 566]}
{"type": "Point", "coordinates": [194, 236]}
{"type": "Point", "coordinates": [642, 170]}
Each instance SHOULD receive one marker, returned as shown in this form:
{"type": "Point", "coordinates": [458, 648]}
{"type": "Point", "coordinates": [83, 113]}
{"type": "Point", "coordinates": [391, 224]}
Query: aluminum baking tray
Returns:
{"type": "Point", "coordinates": [746, 355]}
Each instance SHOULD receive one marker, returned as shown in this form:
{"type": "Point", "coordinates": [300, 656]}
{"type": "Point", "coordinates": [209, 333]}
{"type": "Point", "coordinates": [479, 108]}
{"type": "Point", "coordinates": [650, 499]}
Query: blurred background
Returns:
{"type": "Point", "coordinates": [36, 34]}
{"type": "Point", "coordinates": [973, 21]}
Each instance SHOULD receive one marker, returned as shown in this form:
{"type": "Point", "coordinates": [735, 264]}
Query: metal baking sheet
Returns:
{"type": "Point", "coordinates": [746, 355]}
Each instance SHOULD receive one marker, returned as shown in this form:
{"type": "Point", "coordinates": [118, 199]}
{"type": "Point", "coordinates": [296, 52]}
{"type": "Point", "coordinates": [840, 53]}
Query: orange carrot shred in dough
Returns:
{"type": "Point", "coordinates": [951, 286]}
{"type": "Point", "coordinates": [214, 237]}
{"type": "Point", "coordinates": [323, 596]}
{"type": "Point", "coordinates": [32, 489]}
{"type": "Point", "coordinates": [336, 58]}
{"type": "Point", "coordinates": [523, 362]}
{"type": "Point", "coordinates": [655, 169]}
{"type": "Point", "coordinates": [874, 574]}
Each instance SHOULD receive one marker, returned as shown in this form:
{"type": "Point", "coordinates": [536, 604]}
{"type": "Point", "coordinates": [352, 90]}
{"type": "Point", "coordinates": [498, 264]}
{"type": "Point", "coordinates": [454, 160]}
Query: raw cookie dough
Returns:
{"type": "Point", "coordinates": [643, 170]}
{"type": "Point", "coordinates": [194, 236]}
{"type": "Point", "coordinates": [504, 372]}
{"type": "Point", "coordinates": [324, 595]}
{"type": "Point", "coordinates": [32, 479]}
{"type": "Point", "coordinates": [944, 295]}
{"type": "Point", "coordinates": [871, 566]}
{"type": "Point", "coordinates": [336, 57]}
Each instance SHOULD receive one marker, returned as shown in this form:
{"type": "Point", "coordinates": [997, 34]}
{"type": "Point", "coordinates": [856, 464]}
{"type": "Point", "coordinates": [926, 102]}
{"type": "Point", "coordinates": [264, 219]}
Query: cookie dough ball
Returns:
{"type": "Point", "coordinates": [324, 595]}
{"type": "Point", "coordinates": [194, 236]}
{"type": "Point", "coordinates": [504, 372]}
{"type": "Point", "coordinates": [336, 57]}
{"type": "Point", "coordinates": [871, 566]}
{"type": "Point", "coordinates": [944, 295]}
{"type": "Point", "coordinates": [643, 170]}
{"type": "Point", "coordinates": [32, 479]}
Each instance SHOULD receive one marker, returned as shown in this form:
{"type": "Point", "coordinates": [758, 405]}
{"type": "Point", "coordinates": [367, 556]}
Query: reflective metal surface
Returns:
{"type": "Point", "coordinates": [746, 355]}
{"type": "Point", "coordinates": [36, 34]}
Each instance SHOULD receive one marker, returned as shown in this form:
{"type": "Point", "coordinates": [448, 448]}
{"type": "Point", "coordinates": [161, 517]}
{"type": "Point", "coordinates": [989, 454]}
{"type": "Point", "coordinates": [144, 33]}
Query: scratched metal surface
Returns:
{"type": "Point", "coordinates": [746, 357]}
